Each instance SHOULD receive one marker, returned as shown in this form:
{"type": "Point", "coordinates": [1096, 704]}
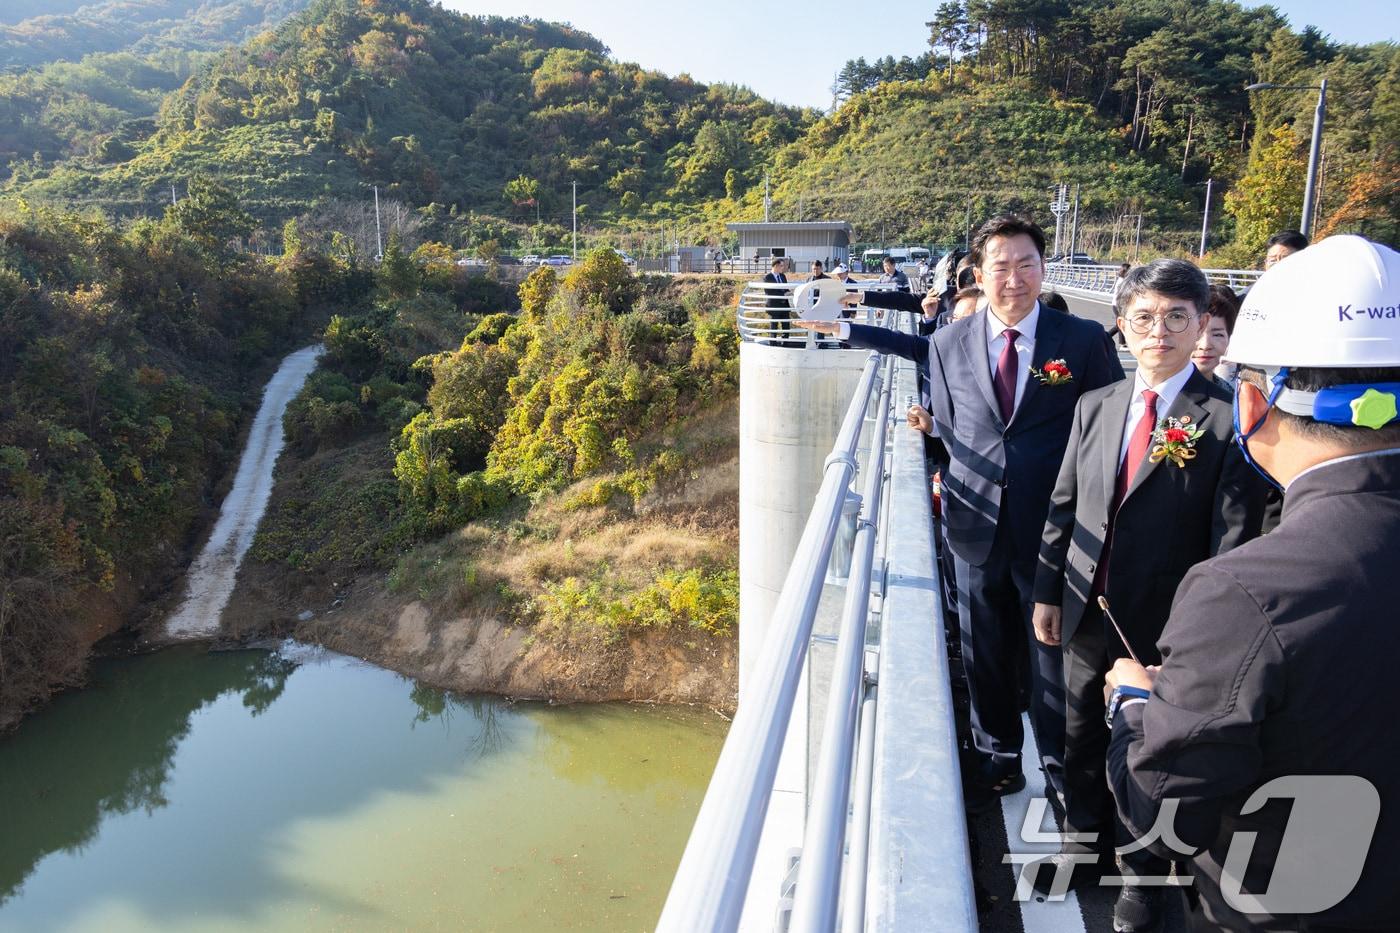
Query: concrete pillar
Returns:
{"type": "Point", "coordinates": [791, 402]}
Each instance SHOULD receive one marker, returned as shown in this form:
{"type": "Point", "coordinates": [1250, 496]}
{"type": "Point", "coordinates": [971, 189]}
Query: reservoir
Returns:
{"type": "Point", "coordinates": [297, 789]}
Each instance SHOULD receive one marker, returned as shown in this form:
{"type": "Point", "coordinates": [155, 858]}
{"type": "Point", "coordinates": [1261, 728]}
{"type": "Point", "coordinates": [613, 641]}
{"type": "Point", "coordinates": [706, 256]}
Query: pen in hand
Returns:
{"type": "Point", "coordinates": [1103, 604]}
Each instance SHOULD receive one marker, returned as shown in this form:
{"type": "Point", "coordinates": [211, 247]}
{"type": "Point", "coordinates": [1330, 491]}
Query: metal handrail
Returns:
{"type": "Point", "coordinates": [890, 760]}
{"type": "Point", "coordinates": [712, 880]}
{"type": "Point", "coordinates": [1101, 278]}
{"type": "Point", "coordinates": [824, 840]}
{"type": "Point", "coordinates": [756, 321]}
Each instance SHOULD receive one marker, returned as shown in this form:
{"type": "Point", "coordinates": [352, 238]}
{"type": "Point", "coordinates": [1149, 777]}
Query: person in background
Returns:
{"type": "Point", "coordinates": [965, 303]}
{"type": "Point", "coordinates": [1266, 733]}
{"type": "Point", "coordinates": [1127, 524]}
{"type": "Point", "coordinates": [1053, 299]}
{"type": "Point", "coordinates": [1282, 245]}
{"type": "Point", "coordinates": [817, 271]}
{"type": "Point", "coordinates": [1123, 269]}
{"type": "Point", "coordinates": [892, 275]}
{"type": "Point", "coordinates": [779, 301]}
{"type": "Point", "coordinates": [1209, 355]}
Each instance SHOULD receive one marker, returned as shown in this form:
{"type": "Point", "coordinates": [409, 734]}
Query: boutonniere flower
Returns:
{"type": "Point", "coordinates": [1053, 373]}
{"type": "Point", "coordinates": [1175, 440]}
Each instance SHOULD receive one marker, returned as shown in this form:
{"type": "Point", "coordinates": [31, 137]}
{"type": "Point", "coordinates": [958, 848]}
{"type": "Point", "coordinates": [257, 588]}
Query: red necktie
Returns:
{"type": "Point", "coordinates": [1004, 382]}
{"type": "Point", "coordinates": [1138, 443]}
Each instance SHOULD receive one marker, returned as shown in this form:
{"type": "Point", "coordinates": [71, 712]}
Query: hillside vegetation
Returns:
{"type": "Point", "coordinates": [914, 158]}
{"type": "Point", "coordinates": [1168, 78]}
{"type": "Point", "coordinates": [129, 363]}
{"type": "Point", "coordinates": [33, 32]}
{"type": "Point", "coordinates": [597, 397]}
{"type": "Point", "coordinates": [437, 107]}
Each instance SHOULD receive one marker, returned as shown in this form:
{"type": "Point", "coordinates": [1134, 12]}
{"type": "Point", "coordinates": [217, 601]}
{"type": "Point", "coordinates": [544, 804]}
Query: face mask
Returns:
{"type": "Point", "coordinates": [1242, 436]}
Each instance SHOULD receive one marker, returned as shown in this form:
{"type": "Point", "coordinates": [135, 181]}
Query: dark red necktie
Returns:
{"type": "Point", "coordinates": [1138, 444]}
{"type": "Point", "coordinates": [1004, 382]}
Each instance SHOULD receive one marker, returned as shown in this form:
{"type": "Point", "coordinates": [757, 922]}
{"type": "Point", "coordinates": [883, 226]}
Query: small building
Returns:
{"type": "Point", "coordinates": [827, 240]}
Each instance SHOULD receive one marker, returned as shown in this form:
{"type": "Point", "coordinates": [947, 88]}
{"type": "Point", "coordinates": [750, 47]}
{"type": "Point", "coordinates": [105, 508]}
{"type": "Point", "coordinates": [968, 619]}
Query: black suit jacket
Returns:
{"type": "Point", "coordinates": [1279, 660]}
{"type": "Point", "coordinates": [779, 298]}
{"type": "Point", "coordinates": [1000, 472]}
{"type": "Point", "coordinates": [1171, 519]}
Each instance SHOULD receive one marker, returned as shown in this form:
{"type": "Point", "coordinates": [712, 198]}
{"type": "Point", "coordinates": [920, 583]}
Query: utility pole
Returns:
{"type": "Point", "coordinates": [575, 221]}
{"type": "Point", "coordinates": [1059, 206]}
{"type": "Point", "coordinates": [967, 225]}
{"type": "Point", "coordinates": [1137, 239]}
{"type": "Point", "coordinates": [378, 230]}
{"type": "Point", "coordinates": [1074, 226]}
{"type": "Point", "coordinates": [1205, 221]}
{"type": "Point", "coordinates": [173, 200]}
{"type": "Point", "coordinates": [766, 200]}
{"type": "Point", "coordinates": [1309, 192]}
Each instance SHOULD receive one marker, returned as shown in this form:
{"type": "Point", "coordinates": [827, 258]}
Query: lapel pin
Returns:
{"type": "Point", "coordinates": [1185, 419]}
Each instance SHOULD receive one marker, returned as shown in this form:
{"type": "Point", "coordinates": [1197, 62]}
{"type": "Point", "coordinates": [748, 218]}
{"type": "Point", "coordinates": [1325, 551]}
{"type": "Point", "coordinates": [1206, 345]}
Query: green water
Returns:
{"type": "Point", "coordinates": [249, 790]}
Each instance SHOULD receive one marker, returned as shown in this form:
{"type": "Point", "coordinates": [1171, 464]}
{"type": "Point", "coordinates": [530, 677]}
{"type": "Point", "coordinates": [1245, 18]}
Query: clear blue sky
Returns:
{"type": "Point", "coordinates": [795, 59]}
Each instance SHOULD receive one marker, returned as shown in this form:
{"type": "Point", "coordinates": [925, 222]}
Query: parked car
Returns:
{"type": "Point", "coordinates": [531, 260]}
{"type": "Point", "coordinates": [627, 260]}
{"type": "Point", "coordinates": [557, 261]}
{"type": "Point", "coordinates": [1081, 259]}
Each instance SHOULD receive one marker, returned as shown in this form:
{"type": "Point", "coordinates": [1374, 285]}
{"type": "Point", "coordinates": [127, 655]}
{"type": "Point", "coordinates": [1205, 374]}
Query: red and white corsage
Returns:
{"type": "Point", "coordinates": [1175, 440]}
{"type": "Point", "coordinates": [1053, 373]}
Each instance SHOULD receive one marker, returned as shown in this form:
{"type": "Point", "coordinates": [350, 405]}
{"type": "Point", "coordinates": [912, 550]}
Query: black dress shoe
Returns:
{"type": "Point", "coordinates": [1084, 870]}
{"type": "Point", "coordinates": [1139, 909]}
{"type": "Point", "coordinates": [979, 798]}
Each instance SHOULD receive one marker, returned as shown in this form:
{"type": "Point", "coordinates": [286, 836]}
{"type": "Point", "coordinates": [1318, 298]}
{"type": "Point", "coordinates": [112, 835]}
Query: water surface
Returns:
{"type": "Point", "coordinates": [302, 790]}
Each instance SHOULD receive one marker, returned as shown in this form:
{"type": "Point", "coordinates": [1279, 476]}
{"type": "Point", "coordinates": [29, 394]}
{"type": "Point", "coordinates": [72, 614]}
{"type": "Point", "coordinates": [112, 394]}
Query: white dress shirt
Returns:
{"type": "Point", "coordinates": [1167, 392]}
{"type": "Point", "coordinates": [996, 339]}
{"type": "Point", "coordinates": [1025, 346]}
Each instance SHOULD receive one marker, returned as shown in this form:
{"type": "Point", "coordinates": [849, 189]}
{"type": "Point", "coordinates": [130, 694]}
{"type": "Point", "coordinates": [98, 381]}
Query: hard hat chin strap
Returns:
{"type": "Point", "coordinates": [1276, 379]}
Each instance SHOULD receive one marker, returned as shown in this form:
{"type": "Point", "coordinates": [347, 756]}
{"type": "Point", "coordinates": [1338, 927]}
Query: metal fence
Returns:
{"type": "Point", "coordinates": [766, 310]}
{"type": "Point", "coordinates": [885, 842]}
{"type": "Point", "coordinates": [1102, 278]}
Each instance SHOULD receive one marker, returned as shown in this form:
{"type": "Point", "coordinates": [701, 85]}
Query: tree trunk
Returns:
{"type": "Point", "coordinates": [1186, 153]}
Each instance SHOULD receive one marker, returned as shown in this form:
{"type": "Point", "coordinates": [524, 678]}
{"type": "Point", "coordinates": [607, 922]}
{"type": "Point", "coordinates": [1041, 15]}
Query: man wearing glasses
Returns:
{"type": "Point", "coordinates": [1151, 484]}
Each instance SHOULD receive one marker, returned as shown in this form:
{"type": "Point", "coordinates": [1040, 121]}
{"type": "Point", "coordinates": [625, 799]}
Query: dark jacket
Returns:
{"type": "Point", "coordinates": [1171, 519]}
{"type": "Point", "coordinates": [779, 298]}
{"type": "Point", "coordinates": [1000, 472]}
{"type": "Point", "coordinates": [1278, 660]}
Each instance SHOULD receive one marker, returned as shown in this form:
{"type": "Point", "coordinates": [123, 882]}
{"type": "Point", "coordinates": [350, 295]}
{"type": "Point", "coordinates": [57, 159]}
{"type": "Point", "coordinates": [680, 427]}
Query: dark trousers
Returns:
{"type": "Point", "coordinates": [1089, 804]}
{"type": "Point", "coordinates": [1000, 654]}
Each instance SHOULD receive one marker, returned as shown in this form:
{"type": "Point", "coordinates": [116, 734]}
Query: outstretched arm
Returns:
{"type": "Point", "coordinates": [909, 346]}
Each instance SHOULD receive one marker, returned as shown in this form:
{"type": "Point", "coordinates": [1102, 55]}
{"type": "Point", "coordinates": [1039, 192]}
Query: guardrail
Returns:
{"type": "Point", "coordinates": [900, 858]}
{"type": "Point", "coordinates": [765, 309]}
{"type": "Point", "coordinates": [1102, 278]}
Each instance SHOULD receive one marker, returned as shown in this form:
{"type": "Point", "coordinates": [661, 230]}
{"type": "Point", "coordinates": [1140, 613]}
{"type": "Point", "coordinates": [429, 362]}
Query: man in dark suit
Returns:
{"type": "Point", "coordinates": [1266, 742]}
{"type": "Point", "coordinates": [1005, 421]}
{"type": "Point", "coordinates": [1127, 524]}
{"type": "Point", "coordinates": [779, 301]}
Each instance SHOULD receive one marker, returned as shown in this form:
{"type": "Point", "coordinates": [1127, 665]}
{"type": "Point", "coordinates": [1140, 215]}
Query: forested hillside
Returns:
{"type": "Point", "coordinates": [33, 32]}
{"type": "Point", "coordinates": [491, 115]}
{"type": "Point", "coordinates": [1168, 77]}
{"type": "Point", "coordinates": [129, 361]}
{"type": "Point", "coordinates": [917, 159]}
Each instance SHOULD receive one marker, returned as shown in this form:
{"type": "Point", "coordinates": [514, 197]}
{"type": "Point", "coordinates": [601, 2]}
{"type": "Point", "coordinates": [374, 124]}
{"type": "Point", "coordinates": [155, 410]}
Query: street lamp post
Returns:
{"type": "Point", "coordinates": [1310, 190]}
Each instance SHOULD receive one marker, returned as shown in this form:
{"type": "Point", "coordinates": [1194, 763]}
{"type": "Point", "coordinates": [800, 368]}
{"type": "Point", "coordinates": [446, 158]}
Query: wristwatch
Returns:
{"type": "Point", "coordinates": [1116, 698]}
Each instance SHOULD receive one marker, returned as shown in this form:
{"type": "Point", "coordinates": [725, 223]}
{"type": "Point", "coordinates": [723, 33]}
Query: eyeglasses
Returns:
{"type": "Point", "coordinates": [1175, 321]}
{"type": "Point", "coordinates": [1023, 270]}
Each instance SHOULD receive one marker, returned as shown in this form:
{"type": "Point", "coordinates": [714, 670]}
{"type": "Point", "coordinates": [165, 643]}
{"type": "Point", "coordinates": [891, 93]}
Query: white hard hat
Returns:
{"type": "Point", "coordinates": [839, 268]}
{"type": "Point", "coordinates": [1335, 304]}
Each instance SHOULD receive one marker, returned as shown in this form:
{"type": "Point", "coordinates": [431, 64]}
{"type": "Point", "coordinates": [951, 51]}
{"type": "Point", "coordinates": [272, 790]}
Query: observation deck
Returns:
{"type": "Point", "coordinates": [837, 800]}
